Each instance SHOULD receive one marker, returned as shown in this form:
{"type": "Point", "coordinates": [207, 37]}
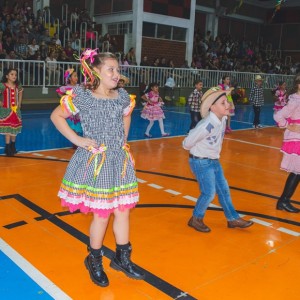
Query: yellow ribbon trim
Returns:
{"type": "Point", "coordinates": [128, 157]}
{"type": "Point", "coordinates": [96, 152]}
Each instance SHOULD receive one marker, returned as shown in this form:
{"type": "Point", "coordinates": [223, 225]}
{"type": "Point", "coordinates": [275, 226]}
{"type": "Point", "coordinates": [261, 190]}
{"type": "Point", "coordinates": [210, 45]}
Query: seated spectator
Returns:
{"type": "Point", "coordinates": [43, 51]}
{"type": "Point", "coordinates": [63, 57]}
{"type": "Point", "coordinates": [90, 38]}
{"type": "Point", "coordinates": [21, 48]}
{"type": "Point", "coordinates": [8, 31]}
{"type": "Point", "coordinates": [107, 43]}
{"type": "Point", "coordinates": [163, 63]}
{"type": "Point", "coordinates": [57, 40]}
{"type": "Point", "coordinates": [32, 48]}
{"type": "Point", "coordinates": [8, 44]}
{"type": "Point", "coordinates": [16, 23]}
{"type": "Point", "coordinates": [145, 61]}
{"type": "Point", "coordinates": [22, 32]}
{"type": "Point", "coordinates": [69, 50]}
{"type": "Point", "coordinates": [131, 56]}
{"type": "Point", "coordinates": [76, 45]}
{"type": "Point", "coordinates": [171, 64]}
{"type": "Point", "coordinates": [37, 69]}
{"type": "Point", "coordinates": [45, 37]}
{"type": "Point", "coordinates": [35, 33]}
{"type": "Point", "coordinates": [124, 65]}
{"type": "Point", "coordinates": [52, 69]}
{"type": "Point", "coordinates": [29, 26]}
{"type": "Point", "coordinates": [53, 47]}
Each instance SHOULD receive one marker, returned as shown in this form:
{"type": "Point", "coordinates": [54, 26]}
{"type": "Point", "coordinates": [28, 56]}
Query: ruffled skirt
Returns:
{"type": "Point", "coordinates": [152, 112]}
{"type": "Point", "coordinates": [10, 121]}
{"type": "Point", "coordinates": [291, 157]}
{"type": "Point", "coordinates": [113, 187]}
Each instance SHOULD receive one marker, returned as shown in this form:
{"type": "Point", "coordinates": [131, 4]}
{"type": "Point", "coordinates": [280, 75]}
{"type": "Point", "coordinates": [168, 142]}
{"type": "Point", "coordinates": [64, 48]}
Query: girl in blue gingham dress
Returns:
{"type": "Point", "coordinates": [100, 177]}
{"type": "Point", "coordinates": [103, 178]}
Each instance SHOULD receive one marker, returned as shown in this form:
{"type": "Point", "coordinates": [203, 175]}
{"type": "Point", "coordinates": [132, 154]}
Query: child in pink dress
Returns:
{"type": "Point", "coordinates": [71, 80]}
{"type": "Point", "coordinates": [289, 117]}
{"type": "Point", "coordinates": [225, 86]}
{"type": "Point", "coordinates": [152, 110]}
{"type": "Point", "coordinates": [280, 96]}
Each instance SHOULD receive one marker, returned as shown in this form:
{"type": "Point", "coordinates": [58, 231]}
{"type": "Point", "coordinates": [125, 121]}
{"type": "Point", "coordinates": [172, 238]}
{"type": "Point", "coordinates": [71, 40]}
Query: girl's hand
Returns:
{"type": "Point", "coordinates": [85, 143]}
{"type": "Point", "coordinates": [160, 99]}
{"type": "Point", "coordinates": [293, 127]}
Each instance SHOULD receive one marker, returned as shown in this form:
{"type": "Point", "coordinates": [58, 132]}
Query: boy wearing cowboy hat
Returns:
{"type": "Point", "coordinates": [256, 97]}
{"type": "Point", "coordinates": [205, 143]}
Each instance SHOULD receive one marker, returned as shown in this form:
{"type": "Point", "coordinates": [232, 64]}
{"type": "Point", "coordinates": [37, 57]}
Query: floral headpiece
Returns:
{"type": "Point", "coordinates": [68, 74]}
{"type": "Point", "coordinates": [87, 72]}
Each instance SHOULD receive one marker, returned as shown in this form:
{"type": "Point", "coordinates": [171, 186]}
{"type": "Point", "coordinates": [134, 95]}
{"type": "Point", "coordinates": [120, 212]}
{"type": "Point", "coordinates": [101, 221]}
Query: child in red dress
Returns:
{"type": "Point", "coordinates": [10, 114]}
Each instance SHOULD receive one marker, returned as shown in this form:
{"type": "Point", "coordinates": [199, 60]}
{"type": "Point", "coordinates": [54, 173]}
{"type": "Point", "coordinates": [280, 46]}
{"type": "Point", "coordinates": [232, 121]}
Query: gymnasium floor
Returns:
{"type": "Point", "coordinates": [42, 246]}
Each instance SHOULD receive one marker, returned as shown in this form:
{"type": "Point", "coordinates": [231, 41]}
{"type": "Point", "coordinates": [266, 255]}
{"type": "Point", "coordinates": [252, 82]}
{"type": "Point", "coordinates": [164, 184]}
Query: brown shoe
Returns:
{"type": "Point", "coordinates": [197, 223]}
{"type": "Point", "coordinates": [240, 223]}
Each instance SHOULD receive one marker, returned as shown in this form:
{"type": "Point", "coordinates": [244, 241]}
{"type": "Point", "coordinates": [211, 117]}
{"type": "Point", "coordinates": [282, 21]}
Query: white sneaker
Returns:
{"type": "Point", "coordinates": [259, 126]}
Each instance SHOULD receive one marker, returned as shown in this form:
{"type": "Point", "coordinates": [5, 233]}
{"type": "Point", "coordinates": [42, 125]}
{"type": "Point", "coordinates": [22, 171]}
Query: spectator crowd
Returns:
{"type": "Point", "coordinates": [26, 36]}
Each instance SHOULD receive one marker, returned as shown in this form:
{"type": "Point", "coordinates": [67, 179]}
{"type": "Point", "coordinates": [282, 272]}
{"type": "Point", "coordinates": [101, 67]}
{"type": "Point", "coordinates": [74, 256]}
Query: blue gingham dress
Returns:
{"type": "Point", "coordinates": [115, 185]}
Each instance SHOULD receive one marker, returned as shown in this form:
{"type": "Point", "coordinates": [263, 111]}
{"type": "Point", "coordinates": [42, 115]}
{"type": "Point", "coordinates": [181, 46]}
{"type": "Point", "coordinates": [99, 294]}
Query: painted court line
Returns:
{"type": "Point", "coordinates": [141, 180]}
{"type": "Point", "coordinates": [288, 231]}
{"type": "Point", "coordinates": [261, 222]}
{"type": "Point", "coordinates": [33, 273]}
{"type": "Point", "coordinates": [255, 220]}
{"type": "Point", "coordinates": [173, 192]}
{"type": "Point", "coordinates": [190, 198]}
{"type": "Point", "coordinates": [155, 186]}
{"type": "Point", "coordinates": [249, 143]}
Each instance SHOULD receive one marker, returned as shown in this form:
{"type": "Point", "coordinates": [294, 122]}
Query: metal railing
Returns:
{"type": "Point", "coordinates": [51, 74]}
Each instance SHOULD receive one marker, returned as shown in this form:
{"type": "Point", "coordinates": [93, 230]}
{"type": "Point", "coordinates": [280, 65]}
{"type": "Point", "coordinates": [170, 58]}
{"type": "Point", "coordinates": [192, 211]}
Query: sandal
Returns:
{"type": "Point", "coordinates": [165, 134]}
{"type": "Point", "coordinates": [147, 135]}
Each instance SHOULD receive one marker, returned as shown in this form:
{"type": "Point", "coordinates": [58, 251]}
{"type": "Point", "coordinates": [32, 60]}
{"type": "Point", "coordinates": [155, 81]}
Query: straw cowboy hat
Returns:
{"type": "Point", "coordinates": [258, 78]}
{"type": "Point", "coordinates": [209, 97]}
{"type": "Point", "coordinates": [124, 78]}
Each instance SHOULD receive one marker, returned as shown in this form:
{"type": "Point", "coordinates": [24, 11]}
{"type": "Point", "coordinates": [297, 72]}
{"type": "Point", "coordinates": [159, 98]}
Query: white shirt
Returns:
{"type": "Point", "coordinates": [206, 139]}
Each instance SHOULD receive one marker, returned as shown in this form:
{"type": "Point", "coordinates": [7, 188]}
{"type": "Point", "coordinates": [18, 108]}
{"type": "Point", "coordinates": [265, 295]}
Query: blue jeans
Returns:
{"type": "Point", "coordinates": [210, 176]}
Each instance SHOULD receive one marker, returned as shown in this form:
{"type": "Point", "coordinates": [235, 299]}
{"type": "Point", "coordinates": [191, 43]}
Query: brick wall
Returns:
{"type": "Point", "coordinates": [174, 50]}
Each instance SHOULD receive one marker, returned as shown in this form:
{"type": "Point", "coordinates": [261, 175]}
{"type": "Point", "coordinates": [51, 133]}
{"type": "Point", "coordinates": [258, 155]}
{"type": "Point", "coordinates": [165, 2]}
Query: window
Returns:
{"type": "Point", "coordinates": [119, 28]}
{"type": "Point", "coordinates": [164, 31]}
{"type": "Point", "coordinates": [179, 34]}
{"type": "Point", "coordinates": [149, 29]}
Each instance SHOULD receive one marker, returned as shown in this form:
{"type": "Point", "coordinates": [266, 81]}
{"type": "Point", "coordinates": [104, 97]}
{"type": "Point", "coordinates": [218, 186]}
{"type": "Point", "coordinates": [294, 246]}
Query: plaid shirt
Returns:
{"type": "Point", "coordinates": [256, 96]}
{"type": "Point", "coordinates": [194, 100]}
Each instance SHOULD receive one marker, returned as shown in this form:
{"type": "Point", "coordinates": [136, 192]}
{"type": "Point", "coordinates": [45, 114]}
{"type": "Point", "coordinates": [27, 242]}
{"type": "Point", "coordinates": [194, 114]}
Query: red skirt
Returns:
{"type": "Point", "coordinates": [10, 121]}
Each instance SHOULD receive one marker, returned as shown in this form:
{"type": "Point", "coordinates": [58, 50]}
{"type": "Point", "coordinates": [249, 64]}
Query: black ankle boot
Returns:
{"type": "Point", "coordinates": [286, 205]}
{"type": "Point", "coordinates": [289, 189]}
{"type": "Point", "coordinates": [122, 262]}
{"type": "Point", "coordinates": [7, 150]}
{"type": "Point", "coordinates": [94, 265]}
{"type": "Point", "coordinates": [13, 148]}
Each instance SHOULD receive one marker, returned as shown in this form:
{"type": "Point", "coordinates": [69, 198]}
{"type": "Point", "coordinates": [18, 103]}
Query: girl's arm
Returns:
{"type": "Point", "coordinates": [281, 116]}
{"type": "Point", "coordinates": [144, 97]}
{"type": "Point", "coordinates": [127, 121]}
{"type": "Point", "coordinates": [58, 117]}
{"type": "Point", "coordinates": [20, 99]}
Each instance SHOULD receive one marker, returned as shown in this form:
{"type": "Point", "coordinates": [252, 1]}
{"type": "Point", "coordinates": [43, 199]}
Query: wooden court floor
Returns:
{"type": "Point", "coordinates": [261, 262]}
